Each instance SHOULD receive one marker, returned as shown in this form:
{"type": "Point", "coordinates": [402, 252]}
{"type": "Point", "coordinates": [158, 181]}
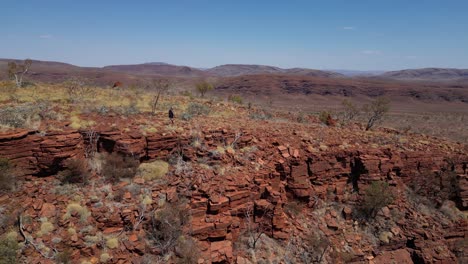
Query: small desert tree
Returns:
{"type": "Point", "coordinates": [350, 111]}
{"type": "Point", "coordinates": [376, 111]}
{"type": "Point", "coordinates": [17, 71]}
{"type": "Point", "coordinates": [203, 87]}
{"type": "Point", "coordinates": [161, 86]}
{"type": "Point", "coordinates": [376, 196]}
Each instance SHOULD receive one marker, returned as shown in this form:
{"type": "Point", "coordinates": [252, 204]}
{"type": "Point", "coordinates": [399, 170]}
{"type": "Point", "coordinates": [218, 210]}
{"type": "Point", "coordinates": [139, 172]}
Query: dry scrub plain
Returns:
{"type": "Point", "coordinates": [101, 179]}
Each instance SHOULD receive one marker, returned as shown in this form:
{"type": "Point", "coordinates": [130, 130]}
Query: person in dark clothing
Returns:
{"type": "Point", "coordinates": [171, 115]}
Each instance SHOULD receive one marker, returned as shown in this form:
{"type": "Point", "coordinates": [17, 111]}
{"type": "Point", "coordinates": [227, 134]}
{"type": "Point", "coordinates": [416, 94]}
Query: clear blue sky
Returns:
{"type": "Point", "coordinates": [347, 34]}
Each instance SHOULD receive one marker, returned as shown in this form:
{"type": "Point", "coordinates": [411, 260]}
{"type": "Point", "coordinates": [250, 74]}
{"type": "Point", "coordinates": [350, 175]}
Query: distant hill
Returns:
{"type": "Point", "coordinates": [312, 73]}
{"type": "Point", "coordinates": [232, 70]}
{"type": "Point", "coordinates": [428, 74]}
{"type": "Point", "coordinates": [277, 85]}
{"type": "Point", "coordinates": [353, 73]}
{"type": "Point", "coordinates": [159, 69]}
{"type": "Point", "coordinates": [242, 69]}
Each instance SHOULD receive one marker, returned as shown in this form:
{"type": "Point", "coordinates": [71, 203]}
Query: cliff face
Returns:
{"type": "Point", "coordinates": [40, 154]}
{"type": "Point", "coordinates": [287, 187]}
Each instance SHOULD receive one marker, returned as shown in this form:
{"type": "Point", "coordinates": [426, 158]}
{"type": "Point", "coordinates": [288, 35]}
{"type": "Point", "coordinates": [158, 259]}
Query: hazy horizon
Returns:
{"type": "Point", "coordinates": [332, 35]}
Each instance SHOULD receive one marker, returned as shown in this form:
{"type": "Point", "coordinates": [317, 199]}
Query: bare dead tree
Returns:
{"type": "Point", "coordinates": [17, 71]}
{"type": "Point", "coordinates": [256, 230]}
{"type": "Point", "coordinates": [161, 86]}
{"type": "Point", "coordinates": [92, 140]}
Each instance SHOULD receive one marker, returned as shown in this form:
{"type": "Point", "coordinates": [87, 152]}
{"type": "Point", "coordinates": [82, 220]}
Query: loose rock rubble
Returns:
{"type": "Point", "coordinates": [277, 183]}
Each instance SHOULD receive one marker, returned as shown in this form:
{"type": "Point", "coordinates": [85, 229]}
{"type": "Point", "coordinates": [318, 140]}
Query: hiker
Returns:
{"type": "Point", "coordinates": [171, 115]}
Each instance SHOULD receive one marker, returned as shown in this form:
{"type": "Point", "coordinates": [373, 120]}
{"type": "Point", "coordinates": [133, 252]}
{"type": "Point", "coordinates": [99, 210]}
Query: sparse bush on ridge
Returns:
{"type": "Point", "coordinates": [350, 111]}
{"type": "Point", "coordinates": [195, 109]}
{"type": "Point", "coordinates": [376, 111]}
{"type": "Point", "coordinates": [326, 118]}
{"type": "Point", "coordinates": [376, 196]}
{"type": "Point", "coordinates": [76, 171]}
{"type": "Point", "coordinates": [77, 90]}
{"type": "Point", "coordinates": [203, 87]}
{"type": "Point", "coordinates": [117, 166]}
{"type": "Point", "coordinates": [235, 99]}
{"type": "Point", "coordinates": [21, 116]}
{"type": "Point", "coordinates": [7, 178]}
{"type": "Point", "coordinates": [9, 248]}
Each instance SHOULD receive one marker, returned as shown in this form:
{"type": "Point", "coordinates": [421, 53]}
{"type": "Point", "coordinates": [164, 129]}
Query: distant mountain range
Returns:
{"type": "Point", "coordinates": [428, 74]}
{"type": "Point", "coordinates": [58, 70]}
{"type": "Point", "coordinates": [256, 81]}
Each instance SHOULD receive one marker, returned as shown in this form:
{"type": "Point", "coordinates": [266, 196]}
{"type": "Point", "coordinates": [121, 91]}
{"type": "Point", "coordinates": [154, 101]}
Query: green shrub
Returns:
{"type": "Point", "coordinates": [203, 87]}
{"type": "Point", "coordinates": [7, 178]}
{"type": "Point", "coordinates": [195, 109]}
{"type": "Point", "coordinates": [76, 171]}
{"type": "Point", "coordinates": [9, 248]}
{"type": "Point", "coordinates": [235, 99]}
{"type": "Point", "coordinates": [376, 196]}
{"type": "Point", "coordinates": [376, 111]}
{"type": "Point", "coordinates": [325, 117]}
{"type": "Point", "coordinates": [116, 167]}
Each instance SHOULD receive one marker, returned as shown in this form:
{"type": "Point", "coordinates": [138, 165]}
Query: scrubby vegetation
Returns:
{"type": "Point", "coordinates": [9, 248]}
{"type": "Point", "coordinates": [117, 167]}
{"type": "Point", "coordinates": [76, 171]}
{"type": "Point", "coordinates": [6, 176]}
{"type": "Point", "coordinates": [203, 87]}
{"type": "Point", "coordinates": [326, 118]}
{"type": "Point", "coordinates": [216, 161]}
{"type": "Point", "coordinates": [376, 111]}
{"type": "Point", "coordinates": [195, 109]}
{"type": "Point", "coordinates": [167, 224]}
{"type": "Point", "coordinates": [235, 99]}
{"type": "Point", "coordinates": [376, 196]}
{"type": "Point", "coordinates": [153, 170]}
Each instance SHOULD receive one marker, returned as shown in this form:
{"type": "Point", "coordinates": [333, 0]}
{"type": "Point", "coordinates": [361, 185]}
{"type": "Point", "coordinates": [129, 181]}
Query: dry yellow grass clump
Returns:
{"type": "Point", "coordinates": [112, 242]}
{"type": "Point", "coordinates": [46, 228]}
{"type": "Point", "coordinates": [77, 208]}
{"type": "Point", "coordinates": [153, 170]}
